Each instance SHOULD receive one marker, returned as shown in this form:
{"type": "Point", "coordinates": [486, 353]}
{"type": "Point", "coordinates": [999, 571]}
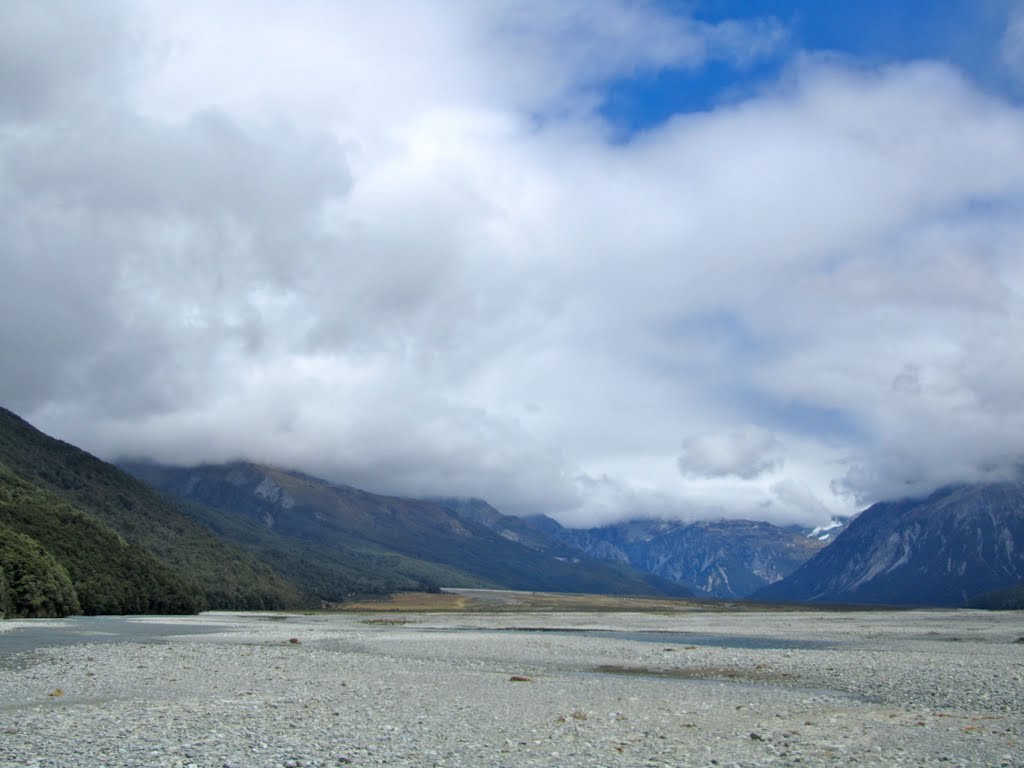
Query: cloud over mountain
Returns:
{"type": "Point", "coordinates": [744, 453]}
{"type": "Point", "coordinates": [401, 245]}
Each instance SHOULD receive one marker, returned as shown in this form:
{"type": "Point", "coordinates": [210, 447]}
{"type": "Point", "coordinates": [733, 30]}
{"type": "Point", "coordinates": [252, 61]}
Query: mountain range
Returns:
{"type": "Point", "coordinates": [718, 558]}
{"type": "Point", "coordinates": [949, 548]}
{"type": "Point", "coordinates": [81, 535]}
{"type": "Point", "coordinates": [387, 542]}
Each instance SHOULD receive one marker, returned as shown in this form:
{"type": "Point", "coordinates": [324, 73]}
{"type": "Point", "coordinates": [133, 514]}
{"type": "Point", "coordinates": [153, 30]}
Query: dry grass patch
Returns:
{"type": "Point", "coordinates": [512, 601]}
{"type": "Point", "coordinates": [410, 602]}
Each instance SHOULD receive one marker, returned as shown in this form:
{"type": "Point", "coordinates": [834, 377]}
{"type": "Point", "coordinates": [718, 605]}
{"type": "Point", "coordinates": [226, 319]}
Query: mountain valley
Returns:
{"type": "Point", "coordinates": [161, 539]}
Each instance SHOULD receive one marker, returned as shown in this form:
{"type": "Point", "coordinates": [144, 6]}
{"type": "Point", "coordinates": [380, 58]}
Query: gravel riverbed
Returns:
{"type": "Point", "coordinates": [909, 688]}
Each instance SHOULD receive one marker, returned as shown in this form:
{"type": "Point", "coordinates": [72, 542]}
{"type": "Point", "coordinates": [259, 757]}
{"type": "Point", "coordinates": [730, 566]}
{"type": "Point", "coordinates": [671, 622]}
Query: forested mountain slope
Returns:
{"type": "Point", "coordinates": [133, 549]}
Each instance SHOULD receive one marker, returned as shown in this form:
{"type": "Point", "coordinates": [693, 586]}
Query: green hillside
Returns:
{"type": "Point", "coordinates": [81, 535]}
{"type": "Point", "coordinates": [33, 583]}
{"type": "Point", "coordinates": [108, 574]}
{"type": "Point", "coordinates": [333, 569]}
{"type": "Point", "coordinates": [381, 535]}
{"type": "Point", "coordinates": [186, 566]}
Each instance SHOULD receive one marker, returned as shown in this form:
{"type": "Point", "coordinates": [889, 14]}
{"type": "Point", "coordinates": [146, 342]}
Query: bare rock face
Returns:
{"type": "Point", "coordinates": [960, 542]}
{"type": "Point", "coordinates": [723, 558]}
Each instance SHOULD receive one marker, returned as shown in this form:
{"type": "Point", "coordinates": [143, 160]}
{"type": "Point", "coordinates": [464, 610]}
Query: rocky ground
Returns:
{"type": "Point", "coordinates": [919, 688]}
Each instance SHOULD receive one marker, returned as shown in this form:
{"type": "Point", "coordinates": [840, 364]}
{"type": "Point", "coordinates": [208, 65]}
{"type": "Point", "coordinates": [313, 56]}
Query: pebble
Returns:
{"type": "Point", "coordinates": [873, 689]}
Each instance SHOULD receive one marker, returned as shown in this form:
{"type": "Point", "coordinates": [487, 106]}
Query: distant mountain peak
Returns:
{"type": "Point", "coordinates": [718, 558]}
{"type": "Point", "coordinates": [959, 541]}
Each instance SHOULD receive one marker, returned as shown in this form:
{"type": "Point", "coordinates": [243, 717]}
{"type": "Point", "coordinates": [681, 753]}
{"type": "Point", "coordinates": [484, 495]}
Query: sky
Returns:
{"type": "Point", "coordinates": [595, 259]}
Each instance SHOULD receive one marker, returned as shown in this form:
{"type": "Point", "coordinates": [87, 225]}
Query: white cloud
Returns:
{"type": "Point", "coordinates": [795, 500]}
{"type": "Point", "coordinates": [745, 453]}
{"type": "Point", "coordinates": [392, 244]}
{"type": "Point", "coordinates": [57, 59]}
{"type": "Point", "coordinates": [1013, 42]}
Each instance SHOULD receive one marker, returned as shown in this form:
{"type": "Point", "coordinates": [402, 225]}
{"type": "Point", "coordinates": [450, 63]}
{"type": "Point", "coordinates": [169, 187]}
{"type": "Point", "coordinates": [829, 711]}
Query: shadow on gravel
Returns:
{"type": "Point", "coordinates": [686, 639]}
{"type": "Point", "coordinates": [737, 674]}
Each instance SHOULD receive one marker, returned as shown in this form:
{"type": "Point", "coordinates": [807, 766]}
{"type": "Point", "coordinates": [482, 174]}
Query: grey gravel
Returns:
{"type": "Point", "coordinates": [914, 688]}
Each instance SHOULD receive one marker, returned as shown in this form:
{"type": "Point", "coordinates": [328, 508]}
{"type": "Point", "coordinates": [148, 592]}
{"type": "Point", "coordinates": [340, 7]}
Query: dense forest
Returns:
{"type": "Point", "coordinates": [105, 573]}
{"type": "Point", "coordinates": [32, 582]}
{"type": "Point", "coordinates": [77, 535]}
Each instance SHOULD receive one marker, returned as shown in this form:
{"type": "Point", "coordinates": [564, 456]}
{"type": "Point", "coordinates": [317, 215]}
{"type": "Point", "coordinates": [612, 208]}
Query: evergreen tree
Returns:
{"type": "Point", "coordinates": [37, 585]}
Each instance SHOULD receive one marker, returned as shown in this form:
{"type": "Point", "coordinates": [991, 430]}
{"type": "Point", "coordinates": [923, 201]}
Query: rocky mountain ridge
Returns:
{"type": "Point", "coordinates": [959, 542]}
{"type": "Point", "coordinates": [720, 558]}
